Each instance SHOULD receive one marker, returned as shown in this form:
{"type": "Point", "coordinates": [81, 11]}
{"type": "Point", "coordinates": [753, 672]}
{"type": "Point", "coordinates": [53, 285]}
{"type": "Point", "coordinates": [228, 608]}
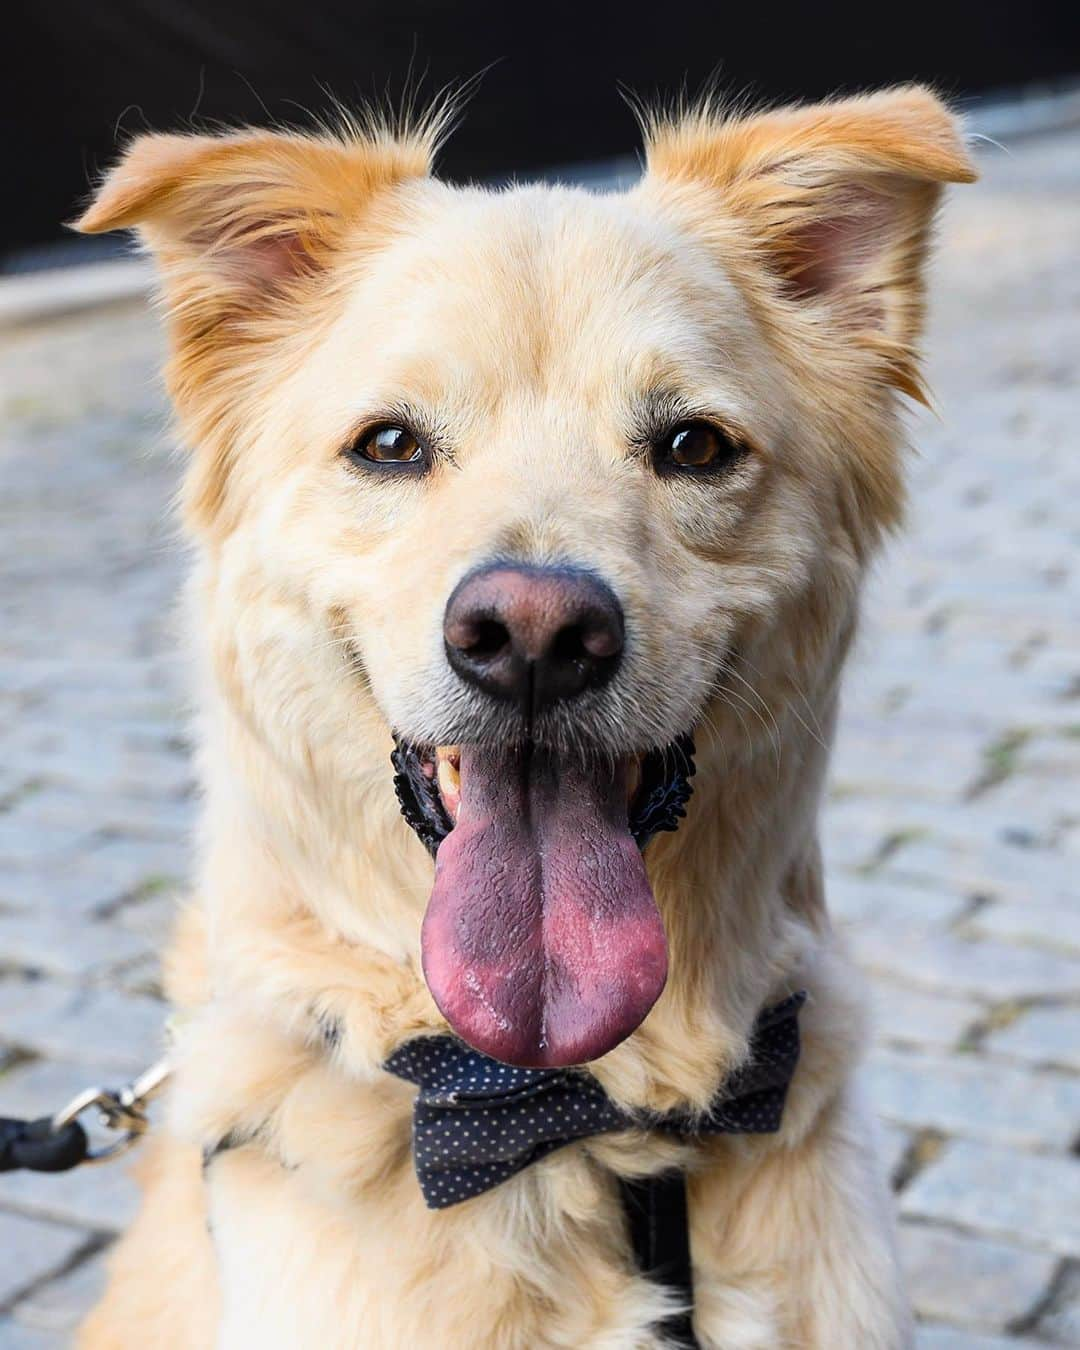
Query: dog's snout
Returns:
{"type": "Point", "coordinates": [534, 635]}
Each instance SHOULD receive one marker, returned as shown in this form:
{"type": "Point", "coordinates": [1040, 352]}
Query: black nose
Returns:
{"type": "Point", "coordinates": [534, 635]}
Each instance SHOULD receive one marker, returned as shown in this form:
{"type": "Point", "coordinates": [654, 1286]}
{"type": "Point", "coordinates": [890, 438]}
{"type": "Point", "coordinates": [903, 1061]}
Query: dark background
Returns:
{"type": "Point", "coordinates": [84, 74]}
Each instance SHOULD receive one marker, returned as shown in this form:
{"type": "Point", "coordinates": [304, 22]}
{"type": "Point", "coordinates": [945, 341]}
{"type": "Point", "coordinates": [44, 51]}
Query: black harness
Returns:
{"type": "Point", "coordinates": [658, 1220]}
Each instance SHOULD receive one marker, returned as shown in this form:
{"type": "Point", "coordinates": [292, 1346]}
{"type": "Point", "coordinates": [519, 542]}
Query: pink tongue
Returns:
{"type": "Point", "coordinates": [542, 944]}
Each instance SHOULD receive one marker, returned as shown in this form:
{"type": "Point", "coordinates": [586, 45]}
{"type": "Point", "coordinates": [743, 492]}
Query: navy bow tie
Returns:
{"type": "Point", "coordinates": [477, 1122]}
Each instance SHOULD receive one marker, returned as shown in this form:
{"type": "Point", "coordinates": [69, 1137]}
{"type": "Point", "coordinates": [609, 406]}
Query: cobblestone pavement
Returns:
{"type": "Point", "coordinates": [952, 834]}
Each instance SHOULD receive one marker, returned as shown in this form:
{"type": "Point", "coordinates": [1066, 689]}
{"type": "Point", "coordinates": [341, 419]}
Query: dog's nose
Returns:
{"type": "Point", "coordinates": [534, 635]}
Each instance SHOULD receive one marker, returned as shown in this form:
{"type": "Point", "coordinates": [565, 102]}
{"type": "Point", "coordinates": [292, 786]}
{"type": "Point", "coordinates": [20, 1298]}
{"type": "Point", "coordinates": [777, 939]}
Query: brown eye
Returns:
{"type": "Point", "coordinates": [389, 444]}
{"type": "Point", "coordinates": [697, 445]}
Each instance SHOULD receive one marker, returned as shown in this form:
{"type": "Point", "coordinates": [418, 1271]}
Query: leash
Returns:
{"type": "Point", "coordinates": [59, 1143]}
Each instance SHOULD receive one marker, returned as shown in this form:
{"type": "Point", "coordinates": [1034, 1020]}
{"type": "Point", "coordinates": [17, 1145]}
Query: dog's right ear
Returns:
{"type": "Point", "coordinates": [232, 219]}
{"type": "Point", "coordinates": [243, 227]}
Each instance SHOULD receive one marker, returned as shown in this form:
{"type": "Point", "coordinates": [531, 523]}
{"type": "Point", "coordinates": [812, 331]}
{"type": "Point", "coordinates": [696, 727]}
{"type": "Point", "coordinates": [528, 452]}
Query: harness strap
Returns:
{"type": "Point", "coordinates": [659, 1222]}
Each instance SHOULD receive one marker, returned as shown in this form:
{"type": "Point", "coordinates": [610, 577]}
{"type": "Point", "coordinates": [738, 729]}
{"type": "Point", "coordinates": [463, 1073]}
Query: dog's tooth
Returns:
{"type": "Point", "coordinates": [449, 786]}
{"type": "Point", "coordinates": [633, 778]}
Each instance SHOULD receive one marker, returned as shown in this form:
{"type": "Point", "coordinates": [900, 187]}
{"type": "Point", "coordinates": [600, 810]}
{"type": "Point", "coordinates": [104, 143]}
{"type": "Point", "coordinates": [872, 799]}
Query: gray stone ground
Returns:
{"type": "Point", "coordinates": [952, 834]}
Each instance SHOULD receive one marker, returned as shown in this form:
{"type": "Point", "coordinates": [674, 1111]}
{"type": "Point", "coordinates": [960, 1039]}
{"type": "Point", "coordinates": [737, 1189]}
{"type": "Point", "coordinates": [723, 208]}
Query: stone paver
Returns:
{"type": "Point", "coordinates": [976, 1099]}
{"type": "Point", "coordinates": [952, 833]}
{"type": "Point", "coordinates": [15, 1336]}
{"type": "Point", "coordinates": [894, 1148]}
{"type": "Point", "coordinates": [101, 1199]}
{"type": "Point", "coordinates": [954, 1278]}
{"type": "Point", "coordinates": [69, 1021]}
{"type": "Point", "coordinates": [56, 945]}
{"type": "Point", "coordinates": [868, 901]}
{"type": "Point", "coordinates": [994, 971]}
{"type": "Point", "coordinates": [1007, 1194]}
{"type": "Point", "coordinates": [1048, 1036]}
{"type": "Point", "coordinates": [935, 1337]}
{"type": "Point", "coordinates": [1050, 925]}
{"type": "Point", "coordinates": [906, 1016]}
{"type": "Point", "coordinates": [60, 1305]}
{"type": "Point", "coordinates": [1060, 1324]}
{"type": "Point", "coordinates": [33, 1249]}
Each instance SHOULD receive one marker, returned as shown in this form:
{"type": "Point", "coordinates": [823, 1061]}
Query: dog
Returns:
{"type": "Point", "coordinates": [524, 488]}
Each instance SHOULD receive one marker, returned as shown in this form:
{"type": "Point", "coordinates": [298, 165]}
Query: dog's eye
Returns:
{"type": "Point", "coordinates": [388, 444]}
{"type": "Point", "coordinates": [697, 445]}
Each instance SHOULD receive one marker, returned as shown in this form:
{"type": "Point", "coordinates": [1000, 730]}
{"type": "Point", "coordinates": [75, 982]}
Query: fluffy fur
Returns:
{"type": "Point", "coordinates": [767, 271]}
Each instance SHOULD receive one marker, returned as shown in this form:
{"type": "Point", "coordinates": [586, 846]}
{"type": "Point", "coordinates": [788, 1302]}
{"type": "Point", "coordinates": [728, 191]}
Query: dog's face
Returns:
{"type": "Point", "coordinates": [523, 475]}
{"type": "Point", "coordinates": [549, 381]}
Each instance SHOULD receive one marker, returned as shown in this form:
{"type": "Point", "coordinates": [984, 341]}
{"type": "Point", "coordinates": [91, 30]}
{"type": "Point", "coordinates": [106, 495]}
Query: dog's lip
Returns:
{"type": "Point", "coordinates": [658, 787]}
{"type": "Point", "coordinates": [442, 767]}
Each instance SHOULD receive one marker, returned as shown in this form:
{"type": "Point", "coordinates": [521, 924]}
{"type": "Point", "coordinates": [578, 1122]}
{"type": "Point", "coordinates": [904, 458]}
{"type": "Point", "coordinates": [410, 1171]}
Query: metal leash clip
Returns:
{"type": "Point", "coordinates": [122, 1110]}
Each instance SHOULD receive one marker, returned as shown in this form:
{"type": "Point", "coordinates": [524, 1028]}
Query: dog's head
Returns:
{"type": "Point", "coordinates": [523, 475]}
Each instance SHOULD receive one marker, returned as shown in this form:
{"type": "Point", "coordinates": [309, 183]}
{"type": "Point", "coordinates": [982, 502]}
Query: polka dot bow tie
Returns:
{"type": "Point", "coordinates": [477, 1122]}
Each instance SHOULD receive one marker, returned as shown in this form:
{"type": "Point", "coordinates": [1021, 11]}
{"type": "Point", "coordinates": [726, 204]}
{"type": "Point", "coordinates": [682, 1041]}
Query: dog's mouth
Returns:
{"type": "Point", "coordinates": [542, 944]}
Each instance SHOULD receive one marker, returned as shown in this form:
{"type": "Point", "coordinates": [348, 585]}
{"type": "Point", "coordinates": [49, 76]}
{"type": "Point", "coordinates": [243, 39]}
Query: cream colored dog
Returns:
{"type": "Point", "coordinates": [540, 481]}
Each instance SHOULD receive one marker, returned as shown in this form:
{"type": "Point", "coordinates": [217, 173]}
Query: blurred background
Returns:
{"type": "Point", "coordinates": [952, 828]}
{"type": "Point", "coordinates": [81, 77]}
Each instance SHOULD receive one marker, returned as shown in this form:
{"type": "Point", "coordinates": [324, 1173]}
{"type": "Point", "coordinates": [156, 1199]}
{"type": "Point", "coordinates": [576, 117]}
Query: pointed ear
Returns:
{"type": "Point", "coordinates": [837, 199]}
{"type": "Point", "coordinates": [231, 219]}
{"type": "Point", "coordinates": [240, 227]}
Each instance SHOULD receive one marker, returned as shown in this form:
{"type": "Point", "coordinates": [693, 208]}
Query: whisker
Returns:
{"type": "Point", "coordinates": [742, 722]}
{"type": "Point", "coordinates": [772, 732]}
{"type": "Point", "coordinates": [815, 731]}
{"type": "Point", "coordinates": [764, 705]}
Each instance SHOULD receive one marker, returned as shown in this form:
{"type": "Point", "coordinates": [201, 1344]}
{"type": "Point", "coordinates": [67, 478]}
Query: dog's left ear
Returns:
{"type": "Point", "coordinates": [836, 199]}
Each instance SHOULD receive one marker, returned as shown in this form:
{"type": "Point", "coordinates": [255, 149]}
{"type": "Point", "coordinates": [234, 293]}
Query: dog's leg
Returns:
{"type": "Point", "coordinates": [162, 1288]}
{"type": "Point", "coordinates": [794, 1245]}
